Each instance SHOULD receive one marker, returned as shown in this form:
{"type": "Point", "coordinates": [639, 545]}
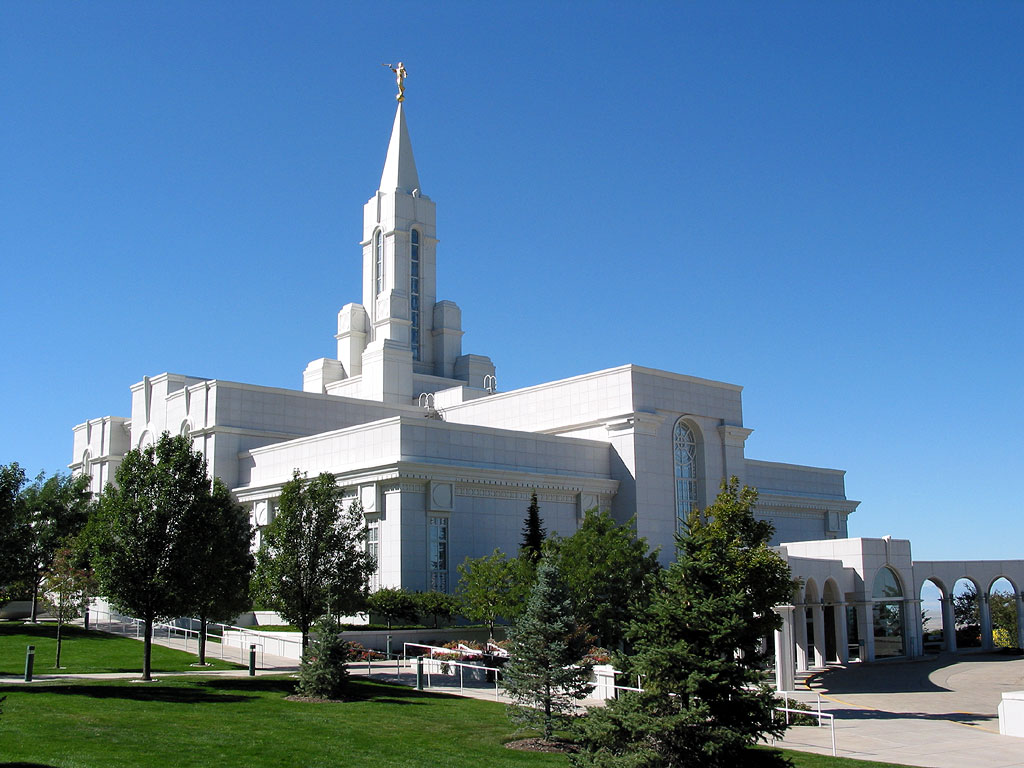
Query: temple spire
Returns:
{"type": "Point", "coordinates": [399, 167]}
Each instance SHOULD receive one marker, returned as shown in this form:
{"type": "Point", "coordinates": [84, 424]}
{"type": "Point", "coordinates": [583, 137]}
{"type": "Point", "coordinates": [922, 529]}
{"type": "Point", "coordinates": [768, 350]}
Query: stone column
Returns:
{"type": "Point", "coordinates": [948, 624]}
{"type": "Point", "coordinates": [818, 622]}
{"type": "Point", "coordinates": [800, 633]}
{"type": "Point", "coordinates": [784, 663]}
{"type": "Point", "coordinates": [842, 638]}
{"type": "Point", "coordinates": [866, 625]}
{"type": "Point", "coordinates": [914, 629]}
{"type": "Point", "coordinates": [1019, 600]}
{"type": "Point", "coordinates": [986, 622]}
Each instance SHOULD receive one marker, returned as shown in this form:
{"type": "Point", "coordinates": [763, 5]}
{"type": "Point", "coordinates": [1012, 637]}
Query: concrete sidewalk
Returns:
{"type": "Point", "coordinates": [939, 713]}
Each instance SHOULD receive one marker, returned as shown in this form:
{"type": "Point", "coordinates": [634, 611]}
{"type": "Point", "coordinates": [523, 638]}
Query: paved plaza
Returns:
{"type": "Point", "coordinates": [938, 712]}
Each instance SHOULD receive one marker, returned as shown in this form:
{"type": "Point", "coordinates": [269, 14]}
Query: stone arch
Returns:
{"type": "Point", "coordinates": [889, 620]}
{"type": "Point", "coordinates": [834, 621]}
{"type": "Point", "coordinates": [936, 618]}
{"type": "Point", "coordinates": [1003, 614]}
{"type": "Point", "coordinates": [967, 611]}
{"type": "Point", "coordinates": [145, 439]}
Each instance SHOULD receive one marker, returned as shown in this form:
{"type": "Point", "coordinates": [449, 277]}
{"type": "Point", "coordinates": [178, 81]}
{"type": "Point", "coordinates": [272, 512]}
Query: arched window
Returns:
{"type": "Point", "coordinates": [378, 263]}
{"type": "Point", "coordinates": [684, 455]}
{"type": "Point", "coordinates": [887, 613]}
{"type": "Point", "coordinates": [414, 292]}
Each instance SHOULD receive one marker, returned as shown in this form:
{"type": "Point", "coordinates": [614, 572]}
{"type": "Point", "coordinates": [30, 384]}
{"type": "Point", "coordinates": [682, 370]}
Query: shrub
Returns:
{"type": "Point", "coordinates": [322, 673]}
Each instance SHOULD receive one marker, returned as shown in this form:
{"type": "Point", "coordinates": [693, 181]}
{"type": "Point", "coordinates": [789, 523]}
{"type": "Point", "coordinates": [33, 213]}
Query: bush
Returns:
{"type": "Point", "coordinates": [322, 673]}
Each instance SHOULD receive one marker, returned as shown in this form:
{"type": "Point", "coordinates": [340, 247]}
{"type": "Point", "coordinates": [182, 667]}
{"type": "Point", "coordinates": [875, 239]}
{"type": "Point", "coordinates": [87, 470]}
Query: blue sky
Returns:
{"type": "Point", "coordinates": [819, 201]}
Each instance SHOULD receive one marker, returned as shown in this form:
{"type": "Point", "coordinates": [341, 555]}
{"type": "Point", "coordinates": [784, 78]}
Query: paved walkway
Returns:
{"type": "Point", "coordinates": [939, 712]}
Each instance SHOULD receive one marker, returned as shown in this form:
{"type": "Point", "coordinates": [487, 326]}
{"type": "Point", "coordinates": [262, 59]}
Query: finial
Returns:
{"type": "Point", "coordinates": [400, 75]}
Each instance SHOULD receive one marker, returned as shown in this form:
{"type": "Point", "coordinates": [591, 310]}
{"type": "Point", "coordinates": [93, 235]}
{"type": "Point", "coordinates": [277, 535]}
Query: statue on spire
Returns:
{"type": "Point", "coordinates": [400, 75]}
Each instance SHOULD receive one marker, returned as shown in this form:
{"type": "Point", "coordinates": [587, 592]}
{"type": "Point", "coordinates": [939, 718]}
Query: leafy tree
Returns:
{"type": "Point", "coordinates": [705, 700]}
{"type": "Point", "coordinates": [66, 587]}
{"type": "Point", "coordinates": [322, 672]}
{"type": "Point", "coordinates": [224, 571]}
{"type": "Point", "coordinates": [147, 536]}
{"type": "Point", "coordinates": [57, 509]}
{"type": "Point", "coordinates": [311, 558]}
{"type": "Point", "coordinates": [610, 573]}
{"type": "Point", "coordinates": [1003, 608]}
{"type": "Point", "coordinates": [15, 534]}
{"type": "Point", "coordinates": [546, 674]}
{"type": "Point", "coordinates": [965, 608]}
{"type": "Point", "coordinates": [490, 587]}
{"type": "Point", "coordinates": [392, 604]}
{"type": "Point", "coordinates": [439, 605]}
{"type": "Point", "coordinates": [533, 531]}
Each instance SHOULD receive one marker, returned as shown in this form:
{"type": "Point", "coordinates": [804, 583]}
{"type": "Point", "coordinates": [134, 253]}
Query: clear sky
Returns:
{"type": "Point", "coordinates": [821, 202]}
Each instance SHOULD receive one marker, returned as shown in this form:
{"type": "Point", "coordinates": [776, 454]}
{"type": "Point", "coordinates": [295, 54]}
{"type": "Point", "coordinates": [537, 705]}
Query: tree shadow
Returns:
{"type": "Point", "coordinates": [27, 765]}
{"type": "Point", "coordinates": [141, 692]}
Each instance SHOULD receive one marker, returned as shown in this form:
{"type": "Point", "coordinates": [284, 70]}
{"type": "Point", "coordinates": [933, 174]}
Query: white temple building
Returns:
{"type": "Point", "coordinates": [444, 462]}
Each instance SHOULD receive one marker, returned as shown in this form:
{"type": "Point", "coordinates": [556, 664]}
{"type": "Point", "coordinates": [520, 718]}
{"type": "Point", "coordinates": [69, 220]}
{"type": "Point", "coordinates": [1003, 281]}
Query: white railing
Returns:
{"type": "Point", "coordinates": [445, 668]}
{"type": "Point", "coordinates": [816, 713]}
{"type": "Point", "coordinates": [218, 635]}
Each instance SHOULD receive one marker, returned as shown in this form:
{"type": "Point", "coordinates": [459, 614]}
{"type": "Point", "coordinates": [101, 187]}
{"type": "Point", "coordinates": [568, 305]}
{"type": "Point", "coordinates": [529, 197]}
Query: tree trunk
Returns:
{"type": "Point", "coordinates": [147, 646]}
{"type": "Point", "coordinates": [59, 625]}
{"type": "Point", "coordinates": [202, 639]}
{"type": "Point", "coordinates": [547, 712]}
{"type": "Point", "coordinates": [35, 596]}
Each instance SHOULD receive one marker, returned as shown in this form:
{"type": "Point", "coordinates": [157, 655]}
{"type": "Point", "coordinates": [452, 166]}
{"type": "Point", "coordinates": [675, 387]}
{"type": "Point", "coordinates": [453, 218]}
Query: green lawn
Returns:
{"type": "Point", "coordinates": [84, 652]}
{"type": "Point", "coordinates": [247, 721]}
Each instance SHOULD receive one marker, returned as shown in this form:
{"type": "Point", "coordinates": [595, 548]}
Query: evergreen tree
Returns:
{"type": "Point", "coordinates": [533, 532]}
{"type": "Point", "coordinates": [610, 573]}
{"type": "Point", "coordinates": [546, 674]}
{"type": "Point", "coordinates": [312, 559]}
{"type": "Point", "coordinates": [322, 672]}
{"type": "Point", "coordinates": [147, 536]}
{"type": "Point", "coordinates": [698, 650]}
{"type": "Point", "coordinates": [225, 569]}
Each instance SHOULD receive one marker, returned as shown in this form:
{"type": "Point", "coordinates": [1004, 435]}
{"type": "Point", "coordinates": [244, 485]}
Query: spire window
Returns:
{"type": "Point", "coordinates": [378, 263]}
{"type": "Point", "coordinates": [414, 292]}
{"type": "Point", "coordinates": [684, 455]}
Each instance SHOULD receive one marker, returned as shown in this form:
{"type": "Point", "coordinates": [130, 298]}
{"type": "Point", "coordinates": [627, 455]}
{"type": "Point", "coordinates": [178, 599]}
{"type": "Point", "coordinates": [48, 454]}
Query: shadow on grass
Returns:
{"type": "Point", "coordinates": [357, 690]}
{"type": "Point", "coordinates": [141, 692]}
{"type": "Point", "coordinates": [27, 765]}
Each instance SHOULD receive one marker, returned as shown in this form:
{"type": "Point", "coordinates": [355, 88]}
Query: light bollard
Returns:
{"type": "Point", "coordinates": [30, 660]}
{"type": "Point", "coordinates": [419, 673]}
{"type": "Point", "coordinates": [252, 660]}
{"type": "Point", "coordinates": [389, 646]}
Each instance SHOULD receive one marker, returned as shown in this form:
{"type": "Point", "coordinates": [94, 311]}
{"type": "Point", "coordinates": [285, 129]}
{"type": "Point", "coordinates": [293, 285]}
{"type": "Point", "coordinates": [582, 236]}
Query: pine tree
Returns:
{"type": "Point", "coordinates": [698, 650]}
{"type": "Point", "coordinates": [533, 531]}
{"type": "Point", "coordinates": [546, 674]}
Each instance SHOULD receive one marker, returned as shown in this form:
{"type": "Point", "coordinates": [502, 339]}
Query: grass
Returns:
{"type": "Point", "coordinates": [86, 652]}
{"type": "Point", "coordinates": [247, 721]}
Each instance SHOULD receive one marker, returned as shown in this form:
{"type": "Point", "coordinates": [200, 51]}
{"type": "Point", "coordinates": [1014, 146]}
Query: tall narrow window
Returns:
{"type": "Point", "coordinates": [373, 550]}
{"type": "Point", "coordinates": [378, 263]}
{"type": "Point", "coordinates": [414, 293]}
{"type": "Point", "coordinates": [437, 551]}
{"type": "Point", "coordinates": [684, 447]}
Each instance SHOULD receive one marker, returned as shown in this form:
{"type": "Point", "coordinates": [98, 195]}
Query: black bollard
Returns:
{"type": "Point", "coordinates": [252, 661]}
{"type": "Point", "coordinates": [419, 673]}
{"type": "Point", "coordinates": [30, 660]}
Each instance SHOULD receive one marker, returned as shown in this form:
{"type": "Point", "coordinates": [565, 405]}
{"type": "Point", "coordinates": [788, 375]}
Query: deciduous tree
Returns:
{"type": "Point", "coordinates": [15, 534]}
{"type": "Point", "coordinates": [610, 573]}
{"type": "Point", "coordinates": [224, 570]}
{"type": "Point", "coordinates": [66, 586]}
{"type": "Point", "coordinates": [698, 650]}
{"type": "Point", "coordinates": [57, 508]}
{"type": "Point", "coordinates": [438, 605]}
{"type": "Point", "coordinates": [311, 559]}
{"type": "Point", "coordinates": [392, 604]}
{"type": "Point", "coordinates": [490, 587]}
{"type": "Point", "coordinates": [147, 535]}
